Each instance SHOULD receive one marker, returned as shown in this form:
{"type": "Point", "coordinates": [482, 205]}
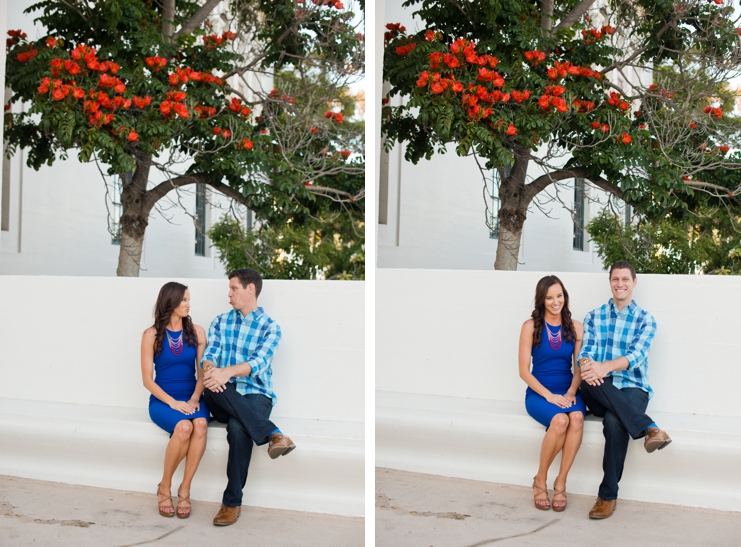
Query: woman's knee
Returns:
{"type": "Point", "coordinates": [576, 420]}
{"type": "Point", "coordinates": [200, 426]}
{"type": "Point", "coordinates": [559, 423]}
{"type": "Point", "coordinates": [183, 429]}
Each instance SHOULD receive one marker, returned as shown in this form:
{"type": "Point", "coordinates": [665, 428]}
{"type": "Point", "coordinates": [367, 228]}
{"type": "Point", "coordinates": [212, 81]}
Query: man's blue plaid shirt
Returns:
{"type": "Point", "coordinates": [234, 338]}
{"type": "Point", "coordinates": [609, 334]}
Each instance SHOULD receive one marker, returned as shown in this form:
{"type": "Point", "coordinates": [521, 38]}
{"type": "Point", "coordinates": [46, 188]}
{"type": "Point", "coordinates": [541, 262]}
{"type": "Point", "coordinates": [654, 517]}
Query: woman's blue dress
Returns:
{"type": "Point", "coordinates": [552, 368]}
{"type": "Point", "coordinates": [176, 375]}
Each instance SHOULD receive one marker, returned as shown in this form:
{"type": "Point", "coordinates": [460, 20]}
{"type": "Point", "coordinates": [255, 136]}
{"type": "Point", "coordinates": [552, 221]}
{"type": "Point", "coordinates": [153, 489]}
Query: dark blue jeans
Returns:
{"type": "Point", "coordinates": [246, 419]}
{"type": "Point", "coordinates": [623, 413]}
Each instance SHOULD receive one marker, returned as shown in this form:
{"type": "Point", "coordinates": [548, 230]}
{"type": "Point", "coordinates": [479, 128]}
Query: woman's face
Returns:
{"type": "Point", "coordinates": [183, 310]}
{"type": "Point", "coordinates": [554, 299]}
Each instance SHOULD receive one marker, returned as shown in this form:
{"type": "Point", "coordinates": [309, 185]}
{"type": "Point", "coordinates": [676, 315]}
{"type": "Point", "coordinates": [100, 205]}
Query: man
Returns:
{"type": "Point", "coordinates": [239, 388]}
{"type": "Point", "coordinates": [614, 371]}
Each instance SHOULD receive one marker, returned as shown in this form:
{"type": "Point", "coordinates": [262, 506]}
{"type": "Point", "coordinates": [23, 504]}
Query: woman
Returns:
{"type": "Point", "coordinates": [173, 347]}
{"type": "Point", "coordinates": [553, 340]}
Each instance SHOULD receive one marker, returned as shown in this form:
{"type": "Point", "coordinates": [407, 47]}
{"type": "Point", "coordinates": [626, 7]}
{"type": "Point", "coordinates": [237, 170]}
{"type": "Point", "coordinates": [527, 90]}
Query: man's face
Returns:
{"type": "Point", "coordinates": [239, 297]}
{"type": "Point", "coordinates": [621, 285]}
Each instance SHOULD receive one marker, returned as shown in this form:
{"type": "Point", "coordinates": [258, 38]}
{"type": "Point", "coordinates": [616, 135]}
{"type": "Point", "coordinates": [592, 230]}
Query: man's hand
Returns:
{"type": "Point", "coordinates": [593, 372]}
{"type": "Point", "coordinates": [216, 378]}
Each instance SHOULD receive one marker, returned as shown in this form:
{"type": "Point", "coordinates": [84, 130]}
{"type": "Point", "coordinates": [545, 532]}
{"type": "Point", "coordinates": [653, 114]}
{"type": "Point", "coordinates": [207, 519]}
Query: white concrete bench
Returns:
{"type": "Point", "coordinates": [497, 441]}
{"type": "Point", "coordinates": [120, 448]}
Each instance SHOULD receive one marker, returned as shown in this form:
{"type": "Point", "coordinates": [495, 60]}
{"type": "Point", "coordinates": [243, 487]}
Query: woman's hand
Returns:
{"type": "Point", "coordinates": [195, 403]}
{"type": "Point", "coordinates": [558, 400]}
{"type": "Point", "coordinates": [182, 406]}
{"type": "Point", "coordinates": [570, 397]}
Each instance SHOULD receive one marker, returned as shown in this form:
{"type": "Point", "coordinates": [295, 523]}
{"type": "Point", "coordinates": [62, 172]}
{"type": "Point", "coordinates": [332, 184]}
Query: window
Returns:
{"type": "Point", "coordinates": [249, 221]}
{"type": "Point", "coordinates": [200, 220]}
{"type": "Point", "coordinates": [117, 207]}
{"type": "Point", "coordinates": [578, 214]}
{"type": "Point", "coordinates": [5, 196]}
{"type": "Point", "coordinates": [628, 214]}
{"type": "Point", "coordinates": [495, 201]}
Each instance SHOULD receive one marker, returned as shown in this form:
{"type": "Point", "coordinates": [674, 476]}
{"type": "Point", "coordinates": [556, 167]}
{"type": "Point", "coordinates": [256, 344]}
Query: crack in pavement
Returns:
{"type": "Point", "coordinates": [494, 540]}
{"type": "Point", "coordinates": [163, 536]}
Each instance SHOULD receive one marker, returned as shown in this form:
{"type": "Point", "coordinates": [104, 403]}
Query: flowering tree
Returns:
{"type": "Point", "coordinates": [627, 101]}
{"type": "Point", "coordinates": [185, 89]}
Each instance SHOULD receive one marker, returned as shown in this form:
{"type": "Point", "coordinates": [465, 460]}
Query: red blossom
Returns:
{"type": "Point", "coordinates": [511, 130]}
{"type": "Point", "coordinates": [247, 144]}
{"type": "Point", "coordinates": [133, 136]}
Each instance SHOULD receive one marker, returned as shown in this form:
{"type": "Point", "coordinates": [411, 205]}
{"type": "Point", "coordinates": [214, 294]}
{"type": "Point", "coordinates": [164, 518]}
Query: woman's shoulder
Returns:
{"type": "Point", "coordinates": [200, 332]}
{"type": "Point", "coordinates": [529, 325]}
{"type": "Point", "coordinates": [578, 327]}
{"type": "Point", "coordinates": [151, 332]}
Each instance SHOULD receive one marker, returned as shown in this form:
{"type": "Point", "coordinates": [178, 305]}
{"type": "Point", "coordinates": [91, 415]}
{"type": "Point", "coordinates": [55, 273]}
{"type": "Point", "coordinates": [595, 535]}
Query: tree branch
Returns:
{"type": "Point", "coordinates": [539, 184]}
{"type": "Point", "coordinates": [198, 18]}
{"type": "Point", "coordinates": [546, 16]}
{"type": "Point", "coordinates": [168, 17]}
{"type": "Point", "coordinates": [159, 191]}
{"type": "Point", "coordinates": [574, 15]}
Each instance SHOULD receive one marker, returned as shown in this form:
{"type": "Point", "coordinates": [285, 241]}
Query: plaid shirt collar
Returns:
{"type": "Point", "coordinates": [257, 313]}
{"type": "Point", "coordinates": [630, 307]}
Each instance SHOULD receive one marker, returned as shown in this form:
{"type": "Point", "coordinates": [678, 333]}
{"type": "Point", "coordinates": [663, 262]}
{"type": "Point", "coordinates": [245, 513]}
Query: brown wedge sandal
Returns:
{"type": "Point", "coordinates": [537, 491]}
{"type": "Point", "coordinates": [164, 501]}
{"type": "Point", "coordinates": [558, 508]}
{"type": "Point", "coordinates": [184, 512]}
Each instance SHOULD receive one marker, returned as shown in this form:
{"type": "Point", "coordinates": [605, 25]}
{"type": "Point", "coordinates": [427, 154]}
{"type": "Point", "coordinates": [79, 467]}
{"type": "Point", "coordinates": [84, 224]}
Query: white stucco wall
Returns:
{"type": "Point", "coordinates": [61, 334]}
{"type": "Point", "coordinates": [455, 333]}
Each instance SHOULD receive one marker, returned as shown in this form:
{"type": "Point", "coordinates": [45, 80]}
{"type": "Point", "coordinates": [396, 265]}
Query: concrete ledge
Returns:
{"type": "Point", "coordinates": [497, 441]}
{"type": "Point", "coordinates": [120, 448]}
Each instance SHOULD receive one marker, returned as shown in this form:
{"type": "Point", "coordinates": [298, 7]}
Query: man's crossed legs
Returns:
{"type": "Point", "coordinates": [624, 416]}
{"type": "Point", "coordinates": [247, 419]}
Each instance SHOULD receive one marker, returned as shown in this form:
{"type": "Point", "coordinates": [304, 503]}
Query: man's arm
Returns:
{"type": "Point", "coordinates": [212, 354]}
{"type": "Point", "coordinates": [589, 344]}
{"type": "Point", "coordinates": [260, 359]}
{"type": "Point", "coordinates": [641, 343]}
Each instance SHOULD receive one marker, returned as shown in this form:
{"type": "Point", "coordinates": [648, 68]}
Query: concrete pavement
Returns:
{"type": "Point", "coordinates": [416, 510]}
{"type": "Point", "coordinates": [46, 514]}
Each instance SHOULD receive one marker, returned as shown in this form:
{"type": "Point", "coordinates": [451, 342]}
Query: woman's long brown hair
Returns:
{"type": "Point", "coordinates": [170, 296]}
{"type": "Point", "coordinates": [541, 291]}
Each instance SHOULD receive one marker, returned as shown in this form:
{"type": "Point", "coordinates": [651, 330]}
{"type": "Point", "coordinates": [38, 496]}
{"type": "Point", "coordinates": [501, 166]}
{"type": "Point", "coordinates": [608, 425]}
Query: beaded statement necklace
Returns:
{"type": "Point", "coordinates": [176, 343]}
{"type": "Point", "coordinates": [554, 339]}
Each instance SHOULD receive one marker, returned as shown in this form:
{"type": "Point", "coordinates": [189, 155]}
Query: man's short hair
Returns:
{"type": "Point", "coordinates": [247, 276]}
{"type": "Point", "coordinates": [623, 265]}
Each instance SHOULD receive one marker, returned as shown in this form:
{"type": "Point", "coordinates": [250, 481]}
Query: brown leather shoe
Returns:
{"type": "Point", "coordinates": [655, 439]}
{"type": "Point", "coordinates": [280, 445]}
{"type": "Point", "coordinates": [227, 515]}
{"type": "Point", "coordinates": [602, 509]}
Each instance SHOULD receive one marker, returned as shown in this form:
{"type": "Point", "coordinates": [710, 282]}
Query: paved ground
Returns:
{"type": "Point", "coordinates": [416, 510]}
{"type": "Point", "coordinates": [40, 513]}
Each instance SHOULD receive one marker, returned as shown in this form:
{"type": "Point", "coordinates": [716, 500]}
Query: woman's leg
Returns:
{"type": "Point", "coordinates": [572, 442]}
{"type": "Point", "coordinates": [552, 443]}
{"type": "Point", "coordinates": [193, 457]}
{"type": "Point", "coordinates": [176, 450]}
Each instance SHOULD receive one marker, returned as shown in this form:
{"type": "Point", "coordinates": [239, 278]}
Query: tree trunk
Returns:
{"type": "Point", "coordinates": [134, 220]}
{"type": "Point", "coordinates": [515, 199]}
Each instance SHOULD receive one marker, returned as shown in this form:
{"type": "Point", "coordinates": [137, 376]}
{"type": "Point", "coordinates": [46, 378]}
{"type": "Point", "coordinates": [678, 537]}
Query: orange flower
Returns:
{"type": "Point", "coordinates": [133, 136]}
{"type": "Point", "coordinates": [511, 130]}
